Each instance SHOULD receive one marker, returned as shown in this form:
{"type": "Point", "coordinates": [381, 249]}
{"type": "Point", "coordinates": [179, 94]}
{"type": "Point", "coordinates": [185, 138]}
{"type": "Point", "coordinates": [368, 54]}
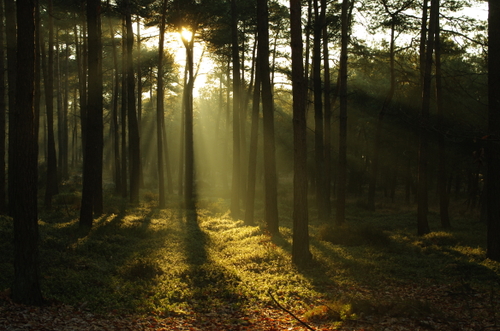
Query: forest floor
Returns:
{"type": "Point", "coordinates": [141, 268]}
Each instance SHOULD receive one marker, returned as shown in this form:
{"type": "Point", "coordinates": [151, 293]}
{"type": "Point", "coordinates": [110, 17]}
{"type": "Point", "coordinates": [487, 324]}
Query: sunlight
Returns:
{"type": "Point", "coordinates": [186, 35]}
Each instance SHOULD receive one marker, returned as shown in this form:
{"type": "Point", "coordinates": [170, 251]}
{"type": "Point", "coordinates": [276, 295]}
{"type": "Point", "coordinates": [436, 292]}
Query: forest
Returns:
{"type": "Point", "coordinates": [249, 165]}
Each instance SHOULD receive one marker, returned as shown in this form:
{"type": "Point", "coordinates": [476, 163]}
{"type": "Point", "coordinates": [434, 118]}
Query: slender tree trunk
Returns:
{"type": "Point", "coordinates": [270, 177]}
{"type": "Point", "coordinates": [133, 126]}
{"type": "Point", "coordinates": [123, 113]}
{"type": "Point", "coordinates": [160, 110]}
{"type": "Point", "coordinates": [189, 185]}
{"type": "Point", "coordinates": [444, 198]}
{"type": "Point", "coordinates": [252, 159]}
{"type": "Point", "coordinates": [342, 170]}
{"type": "Point", "coordinates": [300, 246]}
{"type": "Point", "coordinates": [26, 286]}
{"type": "Point", "coordinates": [114, 113]}
{"type": "Point", "coordinates": [51, 185]}
{"type": "Point", "coordinates": [493, 146]}
{"type": "Point", "coordinates": [422, 189]}
{"type": "Point", "coordinates": [92, 159]}
{"type": "Point", "coordinates": [236, 178]}
{"type": "Point", "coordinates": [328, 117]}
{"type": "Point", "coordinates": [11, 32]}
{"type": "Point", "coordinates": [3, 113]}
{"type": "Point", "coordinates": [319, 155]}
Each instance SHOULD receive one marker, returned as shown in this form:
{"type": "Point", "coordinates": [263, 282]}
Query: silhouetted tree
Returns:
{"type": "Point", "coordinates": [24, 177]}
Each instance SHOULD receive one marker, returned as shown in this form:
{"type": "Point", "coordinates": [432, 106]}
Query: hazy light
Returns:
{"type": "Point", "coordinates": [186, 35]}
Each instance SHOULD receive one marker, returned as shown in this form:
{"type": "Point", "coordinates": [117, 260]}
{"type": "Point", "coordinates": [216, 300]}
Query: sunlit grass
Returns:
{"type": "Point", "coordinates": [142, 260]}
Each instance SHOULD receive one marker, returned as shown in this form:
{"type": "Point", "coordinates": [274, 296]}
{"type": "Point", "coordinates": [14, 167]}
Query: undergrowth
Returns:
{"type": "Point", "coordinates": [144, 260]}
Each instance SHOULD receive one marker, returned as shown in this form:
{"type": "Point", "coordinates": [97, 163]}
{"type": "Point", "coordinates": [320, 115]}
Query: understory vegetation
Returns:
{"type": "Point", "coordinates": [142, 260]}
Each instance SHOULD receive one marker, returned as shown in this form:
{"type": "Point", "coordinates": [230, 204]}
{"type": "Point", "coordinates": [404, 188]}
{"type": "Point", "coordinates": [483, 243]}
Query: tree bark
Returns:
{"type": "Point", "coordinates": [300, 246]}
{"type": "Point", "coordinates": [92, 159]}
{"type": "Point", "coordinates": [160, 111]}
{"type": "Point", "coordinates": [3, 113]}
{"type": "Point", "coordinates": [493, 145]}
{"type": "Point", "coordinates": [422, 188]}
{"type": "Point", "coordinates": [133, 126]}
{"type": "Point", "coordinates": [342, 170]}
{"type": "Point", "coordinates": [236, 179]}
{"type": "Point", "coordinates": [26, 286]}
{"type": "Point", "coordinates": [271, 217]}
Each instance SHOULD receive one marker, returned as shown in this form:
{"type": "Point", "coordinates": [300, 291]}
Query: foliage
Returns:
{"type": "Point", "coordinates": [154, 262]}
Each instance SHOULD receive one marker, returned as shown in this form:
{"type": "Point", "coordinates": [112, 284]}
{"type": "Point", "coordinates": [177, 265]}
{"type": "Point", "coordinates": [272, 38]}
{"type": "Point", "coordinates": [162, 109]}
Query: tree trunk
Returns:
{"type": "Point", "coordinates": [51, 185]}
{"type": "Point", "coordinates": [328, 117]}
{"type": "Point", "coordinates": [3, 112]}
{"type": "Point", "coordinates": [92, 159]}
{"type": "Point", "coordinates": [493, 146]}
{"type": "Point", "coordinates": [342, 171]}
{"type": "Point", "coordinates": [10, 32]}
{"type": "Point", "coordinates": [270, 177]}
{"type": "Point", "coordinates": [318, 114]}
{"type": "Point", "coordinates": [236, 179]}
{"type": "Point", "coordinates": [422, 188]}
{"type": "Point", "coordinates": [300, 246]}
{"type": "Point", "coordinates": [133, 126]}
{"type": "Point", "coordinates": [123, 114]}
{"type": "Point", "coordinates": [117, 173]}
{"type": "Point", "coordinates": [444, 198]}
{"type": "Point", "coordinates": [26, 286]}
{"type": "Point", "coordinates": [252, 159]}
{"type": "Point", "coordinates": [160, 110]}
{"type": "Point", "coordinates": [189, 185]}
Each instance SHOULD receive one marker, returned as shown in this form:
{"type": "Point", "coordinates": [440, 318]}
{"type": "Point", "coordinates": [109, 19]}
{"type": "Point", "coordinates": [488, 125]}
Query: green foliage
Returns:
{"type": "Point", "coordinates": [144, 260]}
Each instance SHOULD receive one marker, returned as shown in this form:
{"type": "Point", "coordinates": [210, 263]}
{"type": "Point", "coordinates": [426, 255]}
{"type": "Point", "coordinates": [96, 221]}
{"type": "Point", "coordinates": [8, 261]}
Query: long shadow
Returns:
{"type": "Point", "coordinates": [213, 287]}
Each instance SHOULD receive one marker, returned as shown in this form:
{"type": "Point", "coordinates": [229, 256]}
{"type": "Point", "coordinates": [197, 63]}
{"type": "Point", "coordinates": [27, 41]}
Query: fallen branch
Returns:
{"type": "Point", "coordinates": [289, 312]}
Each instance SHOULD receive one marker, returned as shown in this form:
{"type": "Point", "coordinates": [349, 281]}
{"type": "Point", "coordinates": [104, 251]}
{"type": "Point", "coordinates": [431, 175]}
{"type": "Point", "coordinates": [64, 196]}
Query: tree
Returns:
{"type": "Point", "coordinates": [160, 109]}
{"type": "Point", "coordinates": [342, 170]}
{"type": "Point", "coordinates": [493, 145]}
{"type": "Point", "coordinates": [92, 159]}
{"type": "Point", "coordinates": [422, 189]}
{"type": "Point", "coordinates": [270, 177]}
{"type": "Point", "coordinates": [26, 287]}
{"type": "Point", "coordinates": [51, 185]}
{"type": "Point", "coordinates": [300, 246]}
{"type": "Point", "coordinates": [3, 112]}
{"type": "Point", "coordinates": [236, 179]}
{"type": "Point", "coordinates": [133, 125]}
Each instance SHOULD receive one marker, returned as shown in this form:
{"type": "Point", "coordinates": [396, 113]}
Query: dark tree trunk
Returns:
{"type": "Point", "coordinates": [160, 111]}
{"type": "Point", "coordinates": [328, 116]}
{"type": "Point", "coordinates": [236, 179]}
{"type": "Point", "coordinates": [26, 286]}
{"type": "Point", "coordinates": [318, 114]}
{"type": "Point", "coordinates": [493, 145]}
{"type": "Point", "coordinates": [252, 159]}
{"type": "Point", "coordinates": [342, 170]}
{"type": "Point", "coordinates": [51, 185]}
{"type": "Point", "coordinates": [3, 112]}
{"type": "Point", "coordinates": [92, 160]}
{"type": "Point", "coordinates": [133, 126]}
{"type": "Point", "coordinates": [10, 32]}
{"type": "Point", "coordinates": [300, 246]}
{"type": "Point", "coordinates": [123, 113]}
{"type": "Point", "coordinates": [270, 178]}
{"type": "Point", "coordinates": [422, 188]}
{"type": "Point", "coordinates": [444, 198]}
{"type": "Point", "coordinates": [114, 114]}
{"type": "Point", "coordinates": [189, 188]}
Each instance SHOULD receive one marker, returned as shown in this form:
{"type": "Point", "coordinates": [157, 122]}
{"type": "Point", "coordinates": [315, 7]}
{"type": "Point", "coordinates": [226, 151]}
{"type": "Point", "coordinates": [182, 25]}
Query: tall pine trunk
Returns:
{"type": "Point", "coordinates": [26, 286]}
{"type": "Point", "coordinates": [300, 246]}
{"type": "Point", "coordinates": [270, 177]}
{"type": "Point", "coordinates": [160, 111]}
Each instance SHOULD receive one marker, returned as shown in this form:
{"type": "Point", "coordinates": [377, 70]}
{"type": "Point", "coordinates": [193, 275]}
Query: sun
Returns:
{"type": "Point", "coordinates": [186, 34]}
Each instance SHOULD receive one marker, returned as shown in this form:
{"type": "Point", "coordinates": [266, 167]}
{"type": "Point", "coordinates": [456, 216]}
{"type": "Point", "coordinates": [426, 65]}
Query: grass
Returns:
{"type": "Point", "coordinates": [144, 260]}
